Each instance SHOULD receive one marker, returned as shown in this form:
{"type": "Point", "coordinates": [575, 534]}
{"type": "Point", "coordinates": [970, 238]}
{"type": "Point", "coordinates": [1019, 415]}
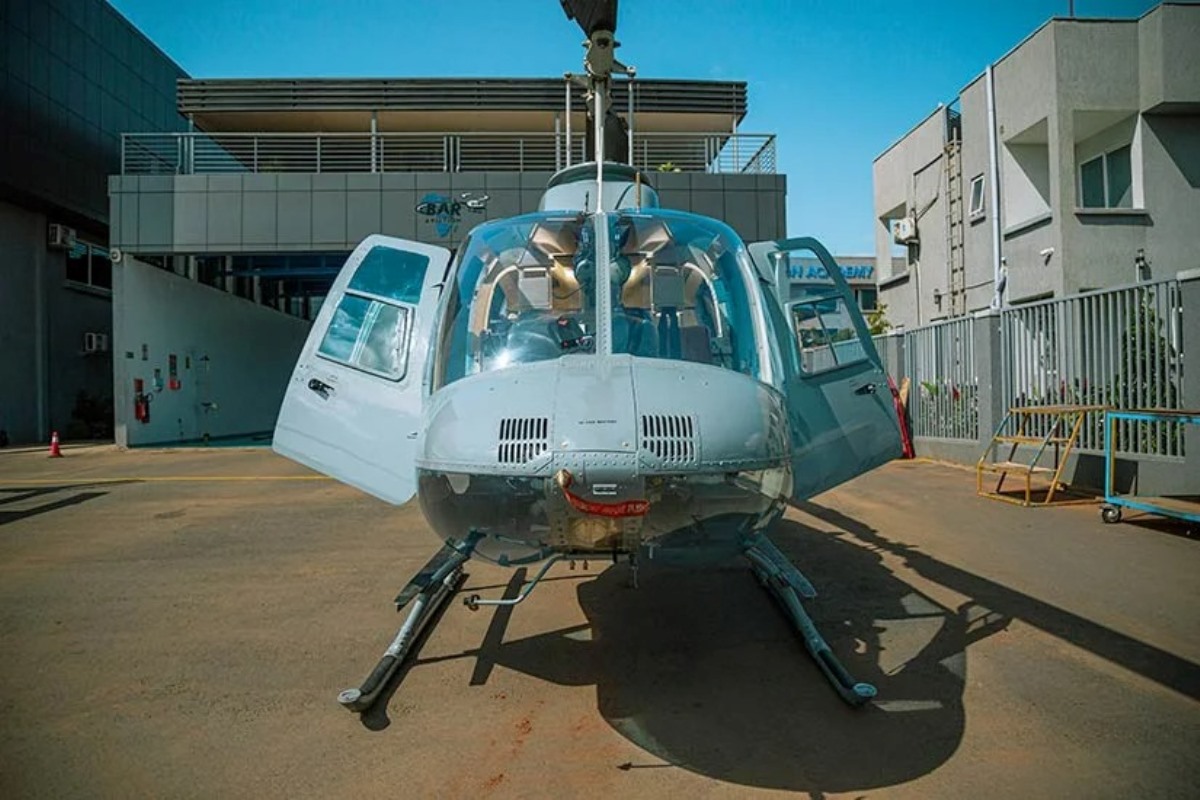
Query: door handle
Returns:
{"type": "Point", "coordinates": [866, 388]}
{"type": "Point", "coordinates": [320, 387]}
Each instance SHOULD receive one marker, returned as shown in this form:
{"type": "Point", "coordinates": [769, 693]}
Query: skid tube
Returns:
{"type": "Point", "coordinates": [428, 590]}
{"type": "Point", "coordinates": [788, 585]}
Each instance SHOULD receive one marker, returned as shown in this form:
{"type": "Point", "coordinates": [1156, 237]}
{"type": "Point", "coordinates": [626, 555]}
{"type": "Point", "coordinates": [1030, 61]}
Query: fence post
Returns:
{"type": "Point", "coordinates": [1189, 297]}
{"type": "Point", "coordinates": [891, 353]}
{"type": "Point", "coordinates": [989, 369]}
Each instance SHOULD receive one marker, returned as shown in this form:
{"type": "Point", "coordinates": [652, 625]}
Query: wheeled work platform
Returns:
{"type": "Point", "coordinates": [1185, 508]}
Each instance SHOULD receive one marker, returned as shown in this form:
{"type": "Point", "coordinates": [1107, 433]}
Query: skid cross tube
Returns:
{"type": "Point", "coordinates": [474, 601]}
{"type": "Point", "coordinates": [437, 586]}
{"type": "Point", "coordinates": [788, 584]}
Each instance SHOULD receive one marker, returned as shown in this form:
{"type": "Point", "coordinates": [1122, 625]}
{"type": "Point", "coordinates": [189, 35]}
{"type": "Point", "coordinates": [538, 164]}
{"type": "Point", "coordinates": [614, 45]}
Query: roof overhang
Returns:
{"type": "Point", "coordinates": [442, 104]}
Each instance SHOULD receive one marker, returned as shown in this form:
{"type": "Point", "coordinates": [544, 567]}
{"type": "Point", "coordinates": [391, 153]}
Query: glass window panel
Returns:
{"type": "Point", "coordinates": [77, 263]}
{"type": "Point", "coordinates": [1120, 178]}
{"type": "Point", "coordinates": [343, 330]}
{"type": "Point", "coordinates": [827, 336]}
{"type": "Point", "coordinates": [383, 340]}
{"type": "Point", "coordinates": [524, 292]}
{"type": "Point", "coordinates": [868, 299]}
{"type": "Point", "coordinates": [1091, 184]}
{"type": "Point", "coordinates": [976, 195]}
{"type": "Point", "coordinates": [368, 334]}
{"type": "Point", "coordinates": [395, 274]}
{"type": "Point", "coordinates": [101, 270]}
{"type": "Point", "coordinates": [679, 291]}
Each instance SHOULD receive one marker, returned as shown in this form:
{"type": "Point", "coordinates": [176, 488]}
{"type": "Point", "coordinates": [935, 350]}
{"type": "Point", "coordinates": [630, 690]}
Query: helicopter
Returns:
{"type": "Point", "coordinates": [601, 378]}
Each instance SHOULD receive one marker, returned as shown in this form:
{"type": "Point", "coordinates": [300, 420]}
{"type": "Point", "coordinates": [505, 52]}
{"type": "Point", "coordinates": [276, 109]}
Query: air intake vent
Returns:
{"type": "Point", "coordinates": [523, 439]}
{"type": "Point", "coordinates": [670, 437]}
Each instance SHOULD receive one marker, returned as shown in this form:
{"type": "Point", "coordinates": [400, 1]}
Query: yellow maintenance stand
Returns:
{"type": "Point", "coordinates": [1037, 428]}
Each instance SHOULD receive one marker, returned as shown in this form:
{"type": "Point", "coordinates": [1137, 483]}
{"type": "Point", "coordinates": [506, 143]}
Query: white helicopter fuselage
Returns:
{"type": "Point", "coordinates": [585, 382]}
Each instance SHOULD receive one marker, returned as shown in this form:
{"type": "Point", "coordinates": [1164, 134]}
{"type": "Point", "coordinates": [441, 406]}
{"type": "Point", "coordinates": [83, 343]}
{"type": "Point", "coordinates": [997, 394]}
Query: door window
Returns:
{"type": "Point", "coordinates": [370, 327]}
{"type": "Point", "coordinates": [826, 333]}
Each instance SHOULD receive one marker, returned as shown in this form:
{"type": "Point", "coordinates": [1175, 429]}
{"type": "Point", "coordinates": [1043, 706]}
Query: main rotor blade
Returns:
{"type": "Point", "coordinates": [592, 15]}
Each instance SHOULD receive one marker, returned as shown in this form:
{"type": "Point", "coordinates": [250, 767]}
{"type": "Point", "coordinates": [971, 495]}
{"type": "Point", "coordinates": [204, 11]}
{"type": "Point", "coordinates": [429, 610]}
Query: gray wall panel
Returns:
{"type": "Point", "coordinates": [259, 214]}
{"type": "Point", "coordinates": [329, 217]}
{"type": "Point", "coordinates": [363, 214]}
{"type": "Point", "coordinates": [295, 219]}
{"type": "Point", "coordinates": [225, 219]}
{"type": "Point", "coordinates": [396, 209]}
{"type": "Point", "coordinates": [191, 219]}
{"type": "Point", "coordinates": [156, 218]}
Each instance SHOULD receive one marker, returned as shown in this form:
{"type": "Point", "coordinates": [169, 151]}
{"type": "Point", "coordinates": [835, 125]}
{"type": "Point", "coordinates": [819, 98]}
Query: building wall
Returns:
{"type": "Point", "coordinates": [908, 182]}
{"type": "Point", "coordinates": [43, 318]}
{"type": "Point", "coordinates": [233, 358]}
{"type": "Point", "coordinates": [22, 323]}
{"type": "Point", "coordinates": [1073, 90]}
{"type": "Point", "coordinates": [74, 74]}
{"type": "Point", "coordinates": [260, 213]}
{"type": "Point", "coordinates": [1030, 157]}
{"type": "Point", "coordinates": [977, 230]}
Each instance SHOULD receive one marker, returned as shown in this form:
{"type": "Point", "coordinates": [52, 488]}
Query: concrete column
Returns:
{"type": "Point", "coordinates": [989, 371]}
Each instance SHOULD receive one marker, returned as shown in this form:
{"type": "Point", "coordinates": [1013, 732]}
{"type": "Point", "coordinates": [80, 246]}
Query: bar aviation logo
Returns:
{"type": "Point", "coordinates": [444, 212]}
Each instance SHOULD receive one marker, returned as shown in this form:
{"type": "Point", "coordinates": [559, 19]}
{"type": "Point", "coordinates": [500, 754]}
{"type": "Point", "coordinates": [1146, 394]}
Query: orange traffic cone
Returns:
{"type": "Point", "coordinates": [55, 450]}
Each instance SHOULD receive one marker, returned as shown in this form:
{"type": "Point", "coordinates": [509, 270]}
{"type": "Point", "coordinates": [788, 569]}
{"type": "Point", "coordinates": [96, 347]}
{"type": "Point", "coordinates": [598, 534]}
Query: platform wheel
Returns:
{"type": "Point", "coordinates": [1110, 514]}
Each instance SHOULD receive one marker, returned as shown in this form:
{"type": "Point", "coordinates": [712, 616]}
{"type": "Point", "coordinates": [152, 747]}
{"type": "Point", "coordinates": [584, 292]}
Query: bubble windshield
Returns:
{"type": "Point", "coordinates": [523, 292]}
{"type": "Point", "coordinates": [526, 290]}
{"type": "Point", "coordinates": [681, 291]}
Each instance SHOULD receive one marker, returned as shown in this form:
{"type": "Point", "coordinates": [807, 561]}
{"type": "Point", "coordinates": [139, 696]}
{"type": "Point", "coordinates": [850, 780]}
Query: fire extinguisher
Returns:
{"type": "Point", "coordinates": [141, 402]}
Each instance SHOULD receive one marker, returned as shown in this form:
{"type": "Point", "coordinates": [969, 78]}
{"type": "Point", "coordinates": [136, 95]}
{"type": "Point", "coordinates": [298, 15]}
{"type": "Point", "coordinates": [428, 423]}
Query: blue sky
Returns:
{"type": "Point", "coordinates": [836, 81]}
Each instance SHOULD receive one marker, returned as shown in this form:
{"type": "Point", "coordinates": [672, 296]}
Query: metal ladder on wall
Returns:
{"type": "Point", "coordinates": [1038, 427]}
{"type": "Point", "coordinates": [954, 228]}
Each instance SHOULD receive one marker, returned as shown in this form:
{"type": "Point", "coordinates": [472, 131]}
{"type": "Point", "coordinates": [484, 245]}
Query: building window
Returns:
{"type": "Point", "coordinates": [89, 265]}
{"type": "Point", "coordinates": [975, 210]}
{"type": "Point", "coordinates": [1106, 181]}
{"type": "Point", "coordinates": [868, 299]}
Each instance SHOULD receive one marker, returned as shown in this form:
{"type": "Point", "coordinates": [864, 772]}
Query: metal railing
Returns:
{"type": "Point", "coordinates": [1119, 347]}
{"type": "Point", "coordinates": [215, 153]}
{"type": "Point", "coordinates": [944, 398]}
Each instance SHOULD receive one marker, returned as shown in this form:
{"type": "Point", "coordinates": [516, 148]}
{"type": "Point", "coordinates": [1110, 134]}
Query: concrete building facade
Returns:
{"type": "Point", "coordinates": [1097, 143]}
{"type": "Point", "coordinates": [74, 75]}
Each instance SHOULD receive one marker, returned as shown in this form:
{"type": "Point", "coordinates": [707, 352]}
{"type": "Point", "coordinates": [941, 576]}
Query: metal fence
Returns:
{"type": "Point", "coordinates": [214, 153]}
{"type": "Point", "coordinates": [1119, 347]}
{"type": "Point", "coordinates": [939, 360]}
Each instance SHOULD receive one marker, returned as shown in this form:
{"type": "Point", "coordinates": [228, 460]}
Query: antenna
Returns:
{"type": "Point", "coordinates": [598, 20]}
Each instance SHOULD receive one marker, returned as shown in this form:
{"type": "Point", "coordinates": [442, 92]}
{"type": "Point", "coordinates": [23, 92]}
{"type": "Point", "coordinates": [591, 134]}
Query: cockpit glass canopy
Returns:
{"type": "Point", "coordinates": [683, 291]}
{"type": "Point", "coordinates": [526, 290]}
{"type": "Point", "coordinates": [519, 296]}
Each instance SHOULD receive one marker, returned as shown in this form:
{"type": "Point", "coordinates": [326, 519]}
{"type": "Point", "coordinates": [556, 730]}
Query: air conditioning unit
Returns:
{"type": "Point", "coordinates": [61, 237]}
{"type": "Point", "coordinates": [905, 231]}
{"type": "Point", "coordinates": [95, 342]}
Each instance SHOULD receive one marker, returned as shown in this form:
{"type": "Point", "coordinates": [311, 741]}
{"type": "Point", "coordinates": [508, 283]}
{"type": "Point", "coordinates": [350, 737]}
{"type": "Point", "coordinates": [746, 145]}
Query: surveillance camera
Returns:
{"type": "Point", "coordinates": [1047, 252]}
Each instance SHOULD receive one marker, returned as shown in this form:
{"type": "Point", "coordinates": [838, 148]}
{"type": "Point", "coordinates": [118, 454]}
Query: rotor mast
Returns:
{"type": "Point", "coordinates": [598, 20]}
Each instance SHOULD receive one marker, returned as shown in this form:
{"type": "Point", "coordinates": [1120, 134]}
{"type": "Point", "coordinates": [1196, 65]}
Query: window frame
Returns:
{"type": "Point", "coordinates": [91, 251]}
{"type": "Point", "coordinates": [800, 348]}
{"type": "Point", "coordinates": [1105, 173]}
{"type": "Point", "coordinates": [977, 211]}
{"type": "Point", "coordinates": [408, 311]}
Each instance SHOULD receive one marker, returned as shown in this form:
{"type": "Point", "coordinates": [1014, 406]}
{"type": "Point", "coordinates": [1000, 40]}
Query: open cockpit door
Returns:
{"type": "Point", "coordinates": [353, 406]}
{"type": "Point", "coordinates": [839, 404]}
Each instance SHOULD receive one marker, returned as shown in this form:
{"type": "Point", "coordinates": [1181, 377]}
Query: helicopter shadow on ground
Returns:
{"type": "Point", "coordinates": [700, 669]}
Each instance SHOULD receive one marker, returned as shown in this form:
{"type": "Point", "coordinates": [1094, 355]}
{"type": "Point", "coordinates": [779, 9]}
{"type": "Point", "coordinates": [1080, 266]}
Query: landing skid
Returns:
{"type": "Point", "coordinates": [789, 586]}
{"type": "Point", "coordinates": [428, 591]}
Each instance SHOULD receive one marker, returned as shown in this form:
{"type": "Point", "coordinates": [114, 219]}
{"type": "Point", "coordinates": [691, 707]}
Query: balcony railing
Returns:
{"type": "Point", "coordinates": [217, 153]}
